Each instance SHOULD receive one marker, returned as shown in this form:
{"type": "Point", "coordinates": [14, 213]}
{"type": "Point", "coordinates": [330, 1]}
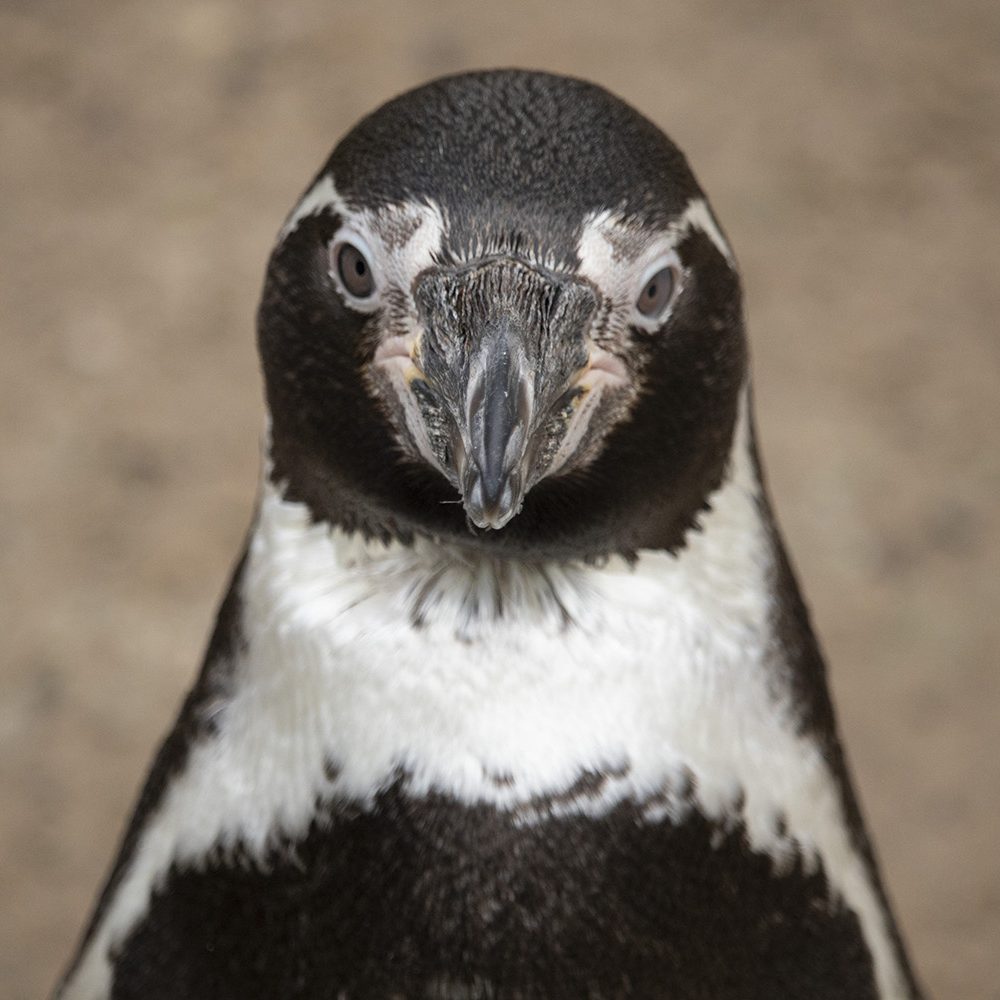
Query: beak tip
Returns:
{"type": "Point", "coordinates": [491, 508]}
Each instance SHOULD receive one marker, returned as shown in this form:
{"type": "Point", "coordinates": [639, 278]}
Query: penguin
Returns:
{"type": "Point", "coordinates": [513, 695]}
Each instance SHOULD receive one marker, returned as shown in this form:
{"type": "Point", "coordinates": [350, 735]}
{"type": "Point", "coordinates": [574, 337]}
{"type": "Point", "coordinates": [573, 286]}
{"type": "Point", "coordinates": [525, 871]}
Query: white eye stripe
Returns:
{"type": "Point", "coordinates": [699, 216]}
{"type": "Point", "coordinates": [320, 196]}
{"type": "Point", "coordinates": [620, 256]}
{"type": "Point", "coordinates": [398, 241]}
{"type": "Point", "coordinates": [623, 277]}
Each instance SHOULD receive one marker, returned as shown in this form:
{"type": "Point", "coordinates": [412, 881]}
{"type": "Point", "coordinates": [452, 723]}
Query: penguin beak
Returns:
{"type": "Point", "coordinates": [500, 343]}
{"type": "Point", "coordinates": [491, 440]}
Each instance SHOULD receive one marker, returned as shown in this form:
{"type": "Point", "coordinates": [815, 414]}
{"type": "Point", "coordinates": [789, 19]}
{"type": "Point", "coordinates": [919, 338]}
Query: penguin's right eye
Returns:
{"type": "Point", "coordinates": [353, 269]}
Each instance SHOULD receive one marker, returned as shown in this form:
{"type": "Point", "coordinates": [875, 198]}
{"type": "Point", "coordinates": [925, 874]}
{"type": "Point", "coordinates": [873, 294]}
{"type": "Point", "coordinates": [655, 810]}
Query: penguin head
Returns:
{"type": "Point", "coordinates": [503, 316]}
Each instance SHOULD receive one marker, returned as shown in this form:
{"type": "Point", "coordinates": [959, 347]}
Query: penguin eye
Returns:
{"type": "Point", "coordinates": [657, 293]}
{"type": "Point", "coordinates": [353, 269]}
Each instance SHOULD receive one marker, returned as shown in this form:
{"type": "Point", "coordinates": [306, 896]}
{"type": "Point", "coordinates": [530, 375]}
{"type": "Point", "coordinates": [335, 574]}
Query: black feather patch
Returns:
{"type": "Point", "coordinates": [428, 898]}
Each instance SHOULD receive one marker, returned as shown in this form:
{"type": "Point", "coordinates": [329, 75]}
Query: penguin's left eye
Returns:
{"type": "Point", "coordinates": [353, 270]}
{"type": "Point", "coordinates": [657, 293]}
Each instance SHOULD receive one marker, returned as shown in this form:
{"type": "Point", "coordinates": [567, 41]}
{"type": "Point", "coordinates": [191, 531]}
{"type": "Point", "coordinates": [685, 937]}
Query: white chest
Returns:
{"type": "Point", "coordinates": [504, 683]}
{"type": "Point", "coordinates": [534, 677]}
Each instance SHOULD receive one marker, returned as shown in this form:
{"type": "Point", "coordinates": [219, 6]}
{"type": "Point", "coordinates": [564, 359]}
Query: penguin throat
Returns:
{"type": "Point", "coordinates": [318, 573]}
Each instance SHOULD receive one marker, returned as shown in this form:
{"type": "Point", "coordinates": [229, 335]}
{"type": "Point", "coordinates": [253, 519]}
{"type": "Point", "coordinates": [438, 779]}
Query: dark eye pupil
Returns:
{"type": "Point", "coordinates": [353, 270]}
{"type": "Point", "coordinates": [656, 296]}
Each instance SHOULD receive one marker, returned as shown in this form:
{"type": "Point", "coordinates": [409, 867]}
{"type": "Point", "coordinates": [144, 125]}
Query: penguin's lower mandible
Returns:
{"type": "Point", "coordinates": [513, 695]}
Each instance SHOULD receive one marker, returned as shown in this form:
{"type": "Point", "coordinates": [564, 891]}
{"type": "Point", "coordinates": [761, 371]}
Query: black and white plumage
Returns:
{"type": "Point", "coordinates": [513, 694]}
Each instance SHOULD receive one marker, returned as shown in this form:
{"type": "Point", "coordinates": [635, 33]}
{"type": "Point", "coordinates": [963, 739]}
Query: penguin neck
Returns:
{"type": "Point", "coordinates": [451, 668]}
{"type": "Point", "coordinates": [723, 567]}
{"type": "Point", "coordinates": [541, 671]}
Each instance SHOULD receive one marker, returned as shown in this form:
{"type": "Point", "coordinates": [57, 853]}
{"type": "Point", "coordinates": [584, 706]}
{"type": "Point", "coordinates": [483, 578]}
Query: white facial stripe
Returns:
{"type": "Point", "coordinates": [669, 669]}
{"type": "Point", "coordinates": [699, 216]}
{"type": "Point", "coordinates": [614, 251]}
{"type": "Point", "coordinates": [320, 196]}
{"type": "Point", "coordinates": [402, 238]}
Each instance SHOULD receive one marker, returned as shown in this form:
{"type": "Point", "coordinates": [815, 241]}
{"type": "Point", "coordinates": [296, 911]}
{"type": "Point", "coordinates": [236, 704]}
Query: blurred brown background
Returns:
{"type": "Point", "coordinates": [149, 153]}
